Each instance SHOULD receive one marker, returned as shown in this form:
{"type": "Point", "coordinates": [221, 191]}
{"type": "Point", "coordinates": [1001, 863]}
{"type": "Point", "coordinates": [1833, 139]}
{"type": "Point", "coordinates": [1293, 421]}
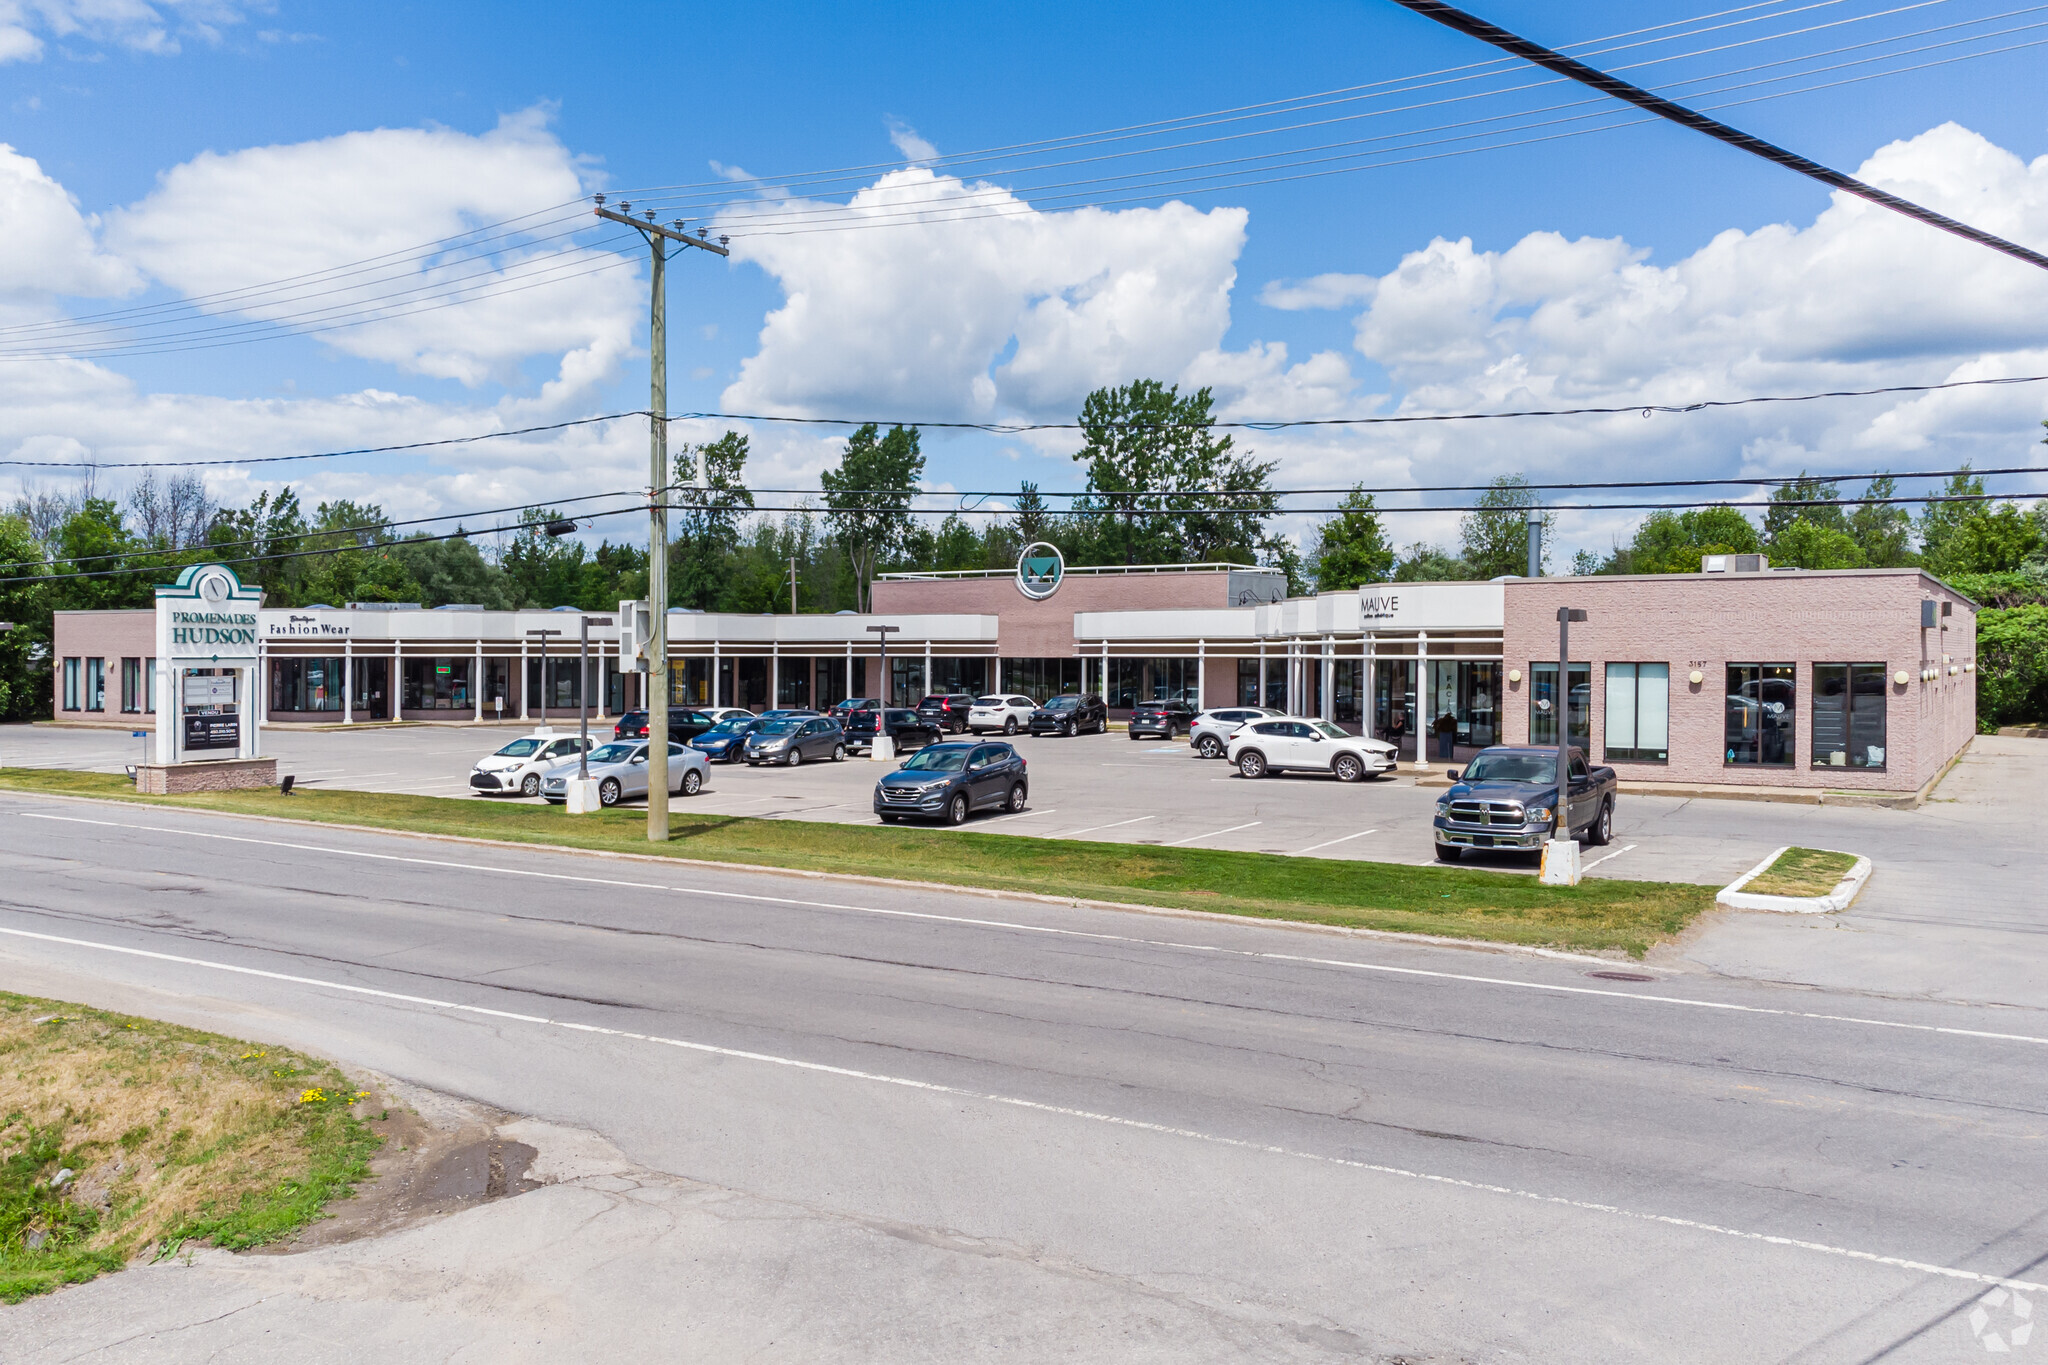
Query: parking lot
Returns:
{"type": "Point", "coordinates": [1954, 910]}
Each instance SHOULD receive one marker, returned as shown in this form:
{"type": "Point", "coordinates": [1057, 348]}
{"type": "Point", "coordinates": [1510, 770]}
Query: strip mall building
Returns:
{"type": "Point", "coordinates": [1858, 679]}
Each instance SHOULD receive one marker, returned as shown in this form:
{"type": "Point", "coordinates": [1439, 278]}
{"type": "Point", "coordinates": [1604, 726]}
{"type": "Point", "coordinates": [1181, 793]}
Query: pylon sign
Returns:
{"type": "Point", "coordinates": [1039, 571]}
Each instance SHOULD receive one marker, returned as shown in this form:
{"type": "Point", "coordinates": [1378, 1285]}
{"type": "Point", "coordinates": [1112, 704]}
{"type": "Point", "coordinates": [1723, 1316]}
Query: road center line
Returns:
{"type": "Point", "coordinates": [1383, 968]}
{"type": "Point", "coordinates": [1212, 834]}
{"type": "Point", "coordinates": [1345, 840]}
{"type": "Point", "coordinates": [1064, 1111]}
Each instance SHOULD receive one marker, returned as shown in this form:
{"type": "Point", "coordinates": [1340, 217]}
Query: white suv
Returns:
{"type": "Point", "coordinates": [1210, 734]}
{"type": "Point", "coordinates": [1305, 744]}
{"type": "Point", "coordinates": [1000, 712]}
{"type": "Point", "coordinates": [519, 765]}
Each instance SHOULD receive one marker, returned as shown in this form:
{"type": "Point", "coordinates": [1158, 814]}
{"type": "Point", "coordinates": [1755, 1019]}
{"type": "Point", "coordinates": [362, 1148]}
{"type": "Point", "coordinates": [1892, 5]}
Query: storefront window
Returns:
{"type": "Point", "coordinates": [1542, 702]}
{"type": "Point", "coordinates": [906, 680]}
{"type": "Point", "coordinates": [1042, 679]}
{"type": "Point", "coordinates": [71, 680]}
{"type": "Point", "coordinates": [1134, 680]}
{"type": "Point", "coordinates": [1247, 682]}
{"type": "Point", "coordinates": [1470, 694]}
{"type": "Point", "coordinates": [828, 683]}
{"type": "Point", "coordinates": [1762, 700]}
{"type": "Point", "coordinates": [131, 686]}
{"type": "Point", "coordinates": [95, 684]}
{"type": "Point", "coordinates": [306, 684]}
{"type": "Point", "coordinates": [440, 684]}
{"type": "Point", "coordinates": [793, 682]}
{"type": "Point", "coordinates": [1639, 713]}
{"type": "Point", "coordinates": [1350, 691]}
{"type": "Point", "coordinates": [959, 675]}
{"type": "Point", "coordinates": [1848, 715]}
{"type": "Point", "coordinates": [1393, 713]}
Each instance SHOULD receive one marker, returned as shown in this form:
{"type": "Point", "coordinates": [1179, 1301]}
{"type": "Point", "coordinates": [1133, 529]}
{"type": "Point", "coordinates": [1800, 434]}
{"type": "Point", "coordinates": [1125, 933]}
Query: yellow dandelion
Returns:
{"type": "Point", "coordinates": [313, 1096]}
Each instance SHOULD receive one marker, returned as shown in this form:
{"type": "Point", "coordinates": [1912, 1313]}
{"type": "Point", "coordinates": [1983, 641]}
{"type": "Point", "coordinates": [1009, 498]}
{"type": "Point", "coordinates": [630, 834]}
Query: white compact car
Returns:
{"type": "Point", "coordinates": [719, 713]}
{"type": "Point", "coordinates": [1210, 734]}
{"type": "Point", "coordinates": [1305, 744]}
{"type": "Point", "coordinates": [520, 765]}
{"type": "Point", "coordinates": [1000, 712]}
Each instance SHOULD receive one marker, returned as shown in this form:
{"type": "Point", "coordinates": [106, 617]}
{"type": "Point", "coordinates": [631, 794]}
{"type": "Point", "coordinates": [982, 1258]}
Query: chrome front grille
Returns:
{"type": "Point", "coordinates": [1486, 813]}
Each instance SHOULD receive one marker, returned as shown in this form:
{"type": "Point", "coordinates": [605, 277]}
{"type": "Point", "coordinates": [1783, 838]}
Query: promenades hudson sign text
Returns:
{"type": "Point", "coordinates": [213, 629]}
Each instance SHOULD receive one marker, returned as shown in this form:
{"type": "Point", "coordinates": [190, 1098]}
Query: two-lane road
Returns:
{"type": "Point", "coordinates": [1338, 1145]}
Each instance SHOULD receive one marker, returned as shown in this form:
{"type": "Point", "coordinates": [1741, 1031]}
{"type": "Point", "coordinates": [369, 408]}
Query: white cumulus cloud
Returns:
{"type": "Point", "coordinates": [50, 244]}
{"type": "Point", "coordinates": [155, 26]}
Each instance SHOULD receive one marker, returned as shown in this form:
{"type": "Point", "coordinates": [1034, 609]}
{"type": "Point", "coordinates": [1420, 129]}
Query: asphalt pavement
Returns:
{"type": "Point", "coordinates": [883, 1123]}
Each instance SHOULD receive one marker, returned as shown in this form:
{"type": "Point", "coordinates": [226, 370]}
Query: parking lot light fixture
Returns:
{"type": "Point", "coordinates": [884, 748]}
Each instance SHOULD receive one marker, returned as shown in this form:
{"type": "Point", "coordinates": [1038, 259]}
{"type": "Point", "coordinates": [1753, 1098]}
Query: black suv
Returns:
{"type": "Point", "coordinates": [1070, 715]}
{"type": "Point", "coordinates": [683, 726]}
{"type": "Point", "coordinates": [947, 710]}
{"type": "Point", "coordinates": [950, 781]}
{"type": "Point", "coordinates": [1165, 718]}
{"type": "Point", "coordinates": [907, 729]}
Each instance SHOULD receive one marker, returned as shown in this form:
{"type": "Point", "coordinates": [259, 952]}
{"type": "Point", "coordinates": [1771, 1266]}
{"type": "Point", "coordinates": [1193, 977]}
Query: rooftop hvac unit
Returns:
{"type": "Point", "coordinates": [1734, 564]}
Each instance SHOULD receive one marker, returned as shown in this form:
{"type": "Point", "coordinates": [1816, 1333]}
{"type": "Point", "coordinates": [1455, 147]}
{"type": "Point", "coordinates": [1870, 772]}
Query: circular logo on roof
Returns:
{"type": "Point", "coordinates": [1039, 570]}
{"type": "Point", "coordinates": [214, 587]}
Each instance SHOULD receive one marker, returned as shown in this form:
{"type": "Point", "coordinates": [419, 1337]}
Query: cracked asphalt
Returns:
{"type": "Point", "coordinates": [857, 1122]}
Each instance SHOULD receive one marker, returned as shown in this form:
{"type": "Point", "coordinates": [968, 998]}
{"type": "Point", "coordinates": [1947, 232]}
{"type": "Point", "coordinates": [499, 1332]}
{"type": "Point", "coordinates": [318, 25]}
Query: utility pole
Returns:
{"type": "Point", "coordinates": [792, 585]}
{"type": "Point", "coordinates": [1534, 517]}
{"type": "Point", "coordinates": [658, 480]}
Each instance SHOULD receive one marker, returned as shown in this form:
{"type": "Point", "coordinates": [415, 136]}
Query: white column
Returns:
{"type": "Point", "coordinates": [927, 667]}
{"type": "Point", "coordinates": [395, 683]}
{"type": "Point", "coordinates": [348, 680]}
{"type": "Point", "coordinates": [1368, 703]}
{"type": "Point", "coordinates": [1328, 710]}
{"type": "Point", "coordinates": [525, 685]}
{"type": "Point", "coordinates": [996, 674]}
{"type": "Point", "coordinates": [716, 700]}
{"type": "Point", "coordinates": [1201, 675]}
{"type": "Point", "coordinates": [1102, 682]}
{"type": "Point", "coordinates": [597, 710]}
{"type": "Point", "coordinates": [1419, 721]}
{"type": "Point", "coordinates": [848, 689]}
{"type": "Point", "coordinates": [1293, 677]}
{"type": "Point", "coordinates": [774, 676]}
{"type": "Point", "coordinates": [250, 746]}
{"type": "Point", "coordinates": [476, 678]}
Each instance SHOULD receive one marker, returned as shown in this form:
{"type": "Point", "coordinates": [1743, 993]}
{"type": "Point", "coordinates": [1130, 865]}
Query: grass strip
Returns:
{"type": "Point", "coordinates": [1459, 903]}
{"type": "Point", "coordinates": [170, 1136]}
{"type": "Point", "coordinates": [1802, 872]}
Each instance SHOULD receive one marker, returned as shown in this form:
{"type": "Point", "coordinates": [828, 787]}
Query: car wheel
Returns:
{"type": "Point", "coordinates": [1134, 736]}
{"type": "Point", "coordinates": [838, 752]}
{"type": "Point", "coordinates": [796, 756]}
{"type": "Point", "coordinates": [890, 819]}
{"type": "Point", "coordinates": [1602, 831]}
{"type": "Point", "coordinates": [956, 810]}
{"type": "Point", "coordinates": [693, 782]}
{"type": "Point", "coordinates": [1252, 763]}
{"type": "Point", "coordinates": [1210, 747]}
{"type": "Point", "coordinates": [530, 785]}
{"type": "Point", "coordinates": [1447, 853]}
{"type": "Point", "coordinates": [1010, 726]}
{"type": "Point", "coordinates": [1348, 768]}
{"type": "Point", "coordinates": [608, 792]}
{"type": "Point", "coordinates": [1016, 801]}
{"type": "Point", "coordinates": [1073, 728]}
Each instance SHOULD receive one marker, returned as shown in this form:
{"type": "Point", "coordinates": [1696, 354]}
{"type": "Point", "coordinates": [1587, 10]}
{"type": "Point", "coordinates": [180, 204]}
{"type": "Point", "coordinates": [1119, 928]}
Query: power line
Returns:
{"type": "Point", "coordinates": [1677, 113]}
{"type": "Point", "coordinates": [1241, 509]}
{"type": "Point", "coordinates": [322, 454]}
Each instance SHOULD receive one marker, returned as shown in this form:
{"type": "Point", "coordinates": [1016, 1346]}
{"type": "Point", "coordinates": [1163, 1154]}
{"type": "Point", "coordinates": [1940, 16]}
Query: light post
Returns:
{"type": "Point", "coordinates": [542, 636]}
{"type": "Point", "coordinates": [884, 750]}
{"type": "Point", "coordinates": [1561, 854]}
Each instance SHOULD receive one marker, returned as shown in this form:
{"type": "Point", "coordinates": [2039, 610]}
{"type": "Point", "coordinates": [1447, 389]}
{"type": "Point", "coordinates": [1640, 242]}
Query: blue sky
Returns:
{"type": "Point", "coordinates": [148, 130]}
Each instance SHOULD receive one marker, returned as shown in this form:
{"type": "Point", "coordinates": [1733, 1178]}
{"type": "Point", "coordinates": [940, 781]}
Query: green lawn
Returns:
{"type": "Point", "coordinates": [1459, 902]}
{"type": "Point", "coordinates": [1802, 872]}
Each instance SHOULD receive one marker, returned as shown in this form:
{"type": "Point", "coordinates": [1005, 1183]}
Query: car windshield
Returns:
{"type": "Point", "coordinates": [937, 760]}
{"type": "Point", "coordinates": [780, 726]}
{"type": "Point", "coordinates": [729, 727]}
{"type": "Point", "coordinates": [1513, 768]}
{"type": "Point", "coordinates": [1328, 731]}
{"type": "Point", "coordinates": [611, 753]}
{"type": "Point", "coordinates": [519, 748]}
{"type": "Point", "coordinates": [1062, 703]}
{"type": "Point", "coordinates": [988, 701]}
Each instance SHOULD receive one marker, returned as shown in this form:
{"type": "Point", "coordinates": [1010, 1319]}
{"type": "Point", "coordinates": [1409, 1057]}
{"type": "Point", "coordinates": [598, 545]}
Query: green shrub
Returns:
{"type": "Point", "coordinates": [2012, 665]}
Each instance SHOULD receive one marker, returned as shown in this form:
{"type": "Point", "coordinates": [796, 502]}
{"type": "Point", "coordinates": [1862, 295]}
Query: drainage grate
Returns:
{"type": "Point", "coordinates": [1621, 976]}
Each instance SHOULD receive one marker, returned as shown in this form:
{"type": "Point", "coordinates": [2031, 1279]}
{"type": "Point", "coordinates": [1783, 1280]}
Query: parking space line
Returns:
{"type": "Point", "coordinates": [1049, 810]}
{"type": "Point", "coordinates": [1090, 829]}
{"type": "Point", "coordinates": [1212, 834]}
{"type": "Point", "coordinates": [1597, 861]}
{"type": "Point", "coordinates": [1325, 844]}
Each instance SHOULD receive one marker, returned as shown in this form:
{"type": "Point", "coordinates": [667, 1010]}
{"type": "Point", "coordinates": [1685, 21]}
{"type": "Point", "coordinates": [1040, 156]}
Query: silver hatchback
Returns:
{"type": "Point", "coordinates": [620, 771]}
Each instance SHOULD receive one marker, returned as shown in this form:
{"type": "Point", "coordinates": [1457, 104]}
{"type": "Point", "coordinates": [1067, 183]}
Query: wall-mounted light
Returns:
{"type": "Point", "coordinates": [1953, 670]}
{"type": "Point", "coordinates": [1696, 677]}
{"type": "Point", "coordinates": [1901, 678]}
{"type": "Point", "coordinates": [1970, 666]}
{"type": "Point", "coordinates": [1514, 675]}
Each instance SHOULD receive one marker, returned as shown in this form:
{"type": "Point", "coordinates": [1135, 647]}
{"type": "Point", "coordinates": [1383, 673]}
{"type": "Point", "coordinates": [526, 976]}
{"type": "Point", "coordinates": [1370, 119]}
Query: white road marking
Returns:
{"type": "Point", "coordinates": [1057, 932]}
{"type": "Point", "coordinates": [1076, 833]}
{"type": "Point", "coordinates": [1345, 840]}
{"type": "Point", "coordinates": [1597, 861]}
{"type": "Point", "coordinates": [1063, 1111]}
{"type": "Point", "coordinates": [1019, 815]}
{"type": "Point", "coordinates": [1212, 834]}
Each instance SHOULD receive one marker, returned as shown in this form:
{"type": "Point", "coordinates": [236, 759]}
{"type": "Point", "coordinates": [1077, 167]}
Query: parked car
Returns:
{"type": "Point", "coordinates": [520, 765]}
{"type": "Point", "coordinates": [1507, 798]}
{"type": "Point", "coordinates": [786, 712]}
{"type": "Point", "coordinates": [905, 728]}
{"type": "Point", "coordinates": [1000, 712]}
{"type": "Point", "coordinates": [793, 739]}
{"type": "Point", "coordinates": [620, 771]}
{"type": "Point", "coordinates": [947, 710]}
{"type": "Point", "coordinates": [1305, 744]}
{"type": "Point", "coordinates": [725, 713]}
{"type": "Point", "coordinates": [1070, 715]}
{"type": "Point", "coordinates": [950, 781]}
{"type": "Point", "coordinates": [1163, 718]}
{"type": "Point", "coordinates": [683, 724]}
{"type": "Point", "coordinates": [843, 708]}
{"type": "Point", "coordinates": [726, 742]}
{"type": "Point", "coordinates": [1209, 734]}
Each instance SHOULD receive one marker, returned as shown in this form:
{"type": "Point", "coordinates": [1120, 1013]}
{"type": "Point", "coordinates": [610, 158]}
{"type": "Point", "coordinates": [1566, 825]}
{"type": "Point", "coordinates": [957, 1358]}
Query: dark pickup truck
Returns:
{"type": "Point", "coordinates": [1505, 798]}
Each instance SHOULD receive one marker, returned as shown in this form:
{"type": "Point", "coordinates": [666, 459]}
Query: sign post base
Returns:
{"type": "Point", "coordinates": [1560, 863]}
{"type": "Point", "coordinates": [583, 796]}
{"type": "Point", "coordinates": [883, 750]}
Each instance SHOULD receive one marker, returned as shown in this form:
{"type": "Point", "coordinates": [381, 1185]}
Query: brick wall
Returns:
{"type": "Point", "coordinates": [1703, 622]}
{"type": "Point", "coordinates": [108, 635]}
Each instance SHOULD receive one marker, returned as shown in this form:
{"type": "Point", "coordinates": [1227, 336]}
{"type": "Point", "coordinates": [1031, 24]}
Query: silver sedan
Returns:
{"type": "Point", "coordinates": [620, 771]}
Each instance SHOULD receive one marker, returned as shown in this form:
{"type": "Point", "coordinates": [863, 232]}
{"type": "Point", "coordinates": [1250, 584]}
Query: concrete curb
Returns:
{"type": "Point", "coordinates": [860, 879]}
{"type": "Point", "coordinates": [1846, 890]}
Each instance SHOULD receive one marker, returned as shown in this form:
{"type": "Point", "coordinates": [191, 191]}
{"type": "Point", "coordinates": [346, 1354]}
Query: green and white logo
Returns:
{"type": "Point", "coordinates": [1039, 570]}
